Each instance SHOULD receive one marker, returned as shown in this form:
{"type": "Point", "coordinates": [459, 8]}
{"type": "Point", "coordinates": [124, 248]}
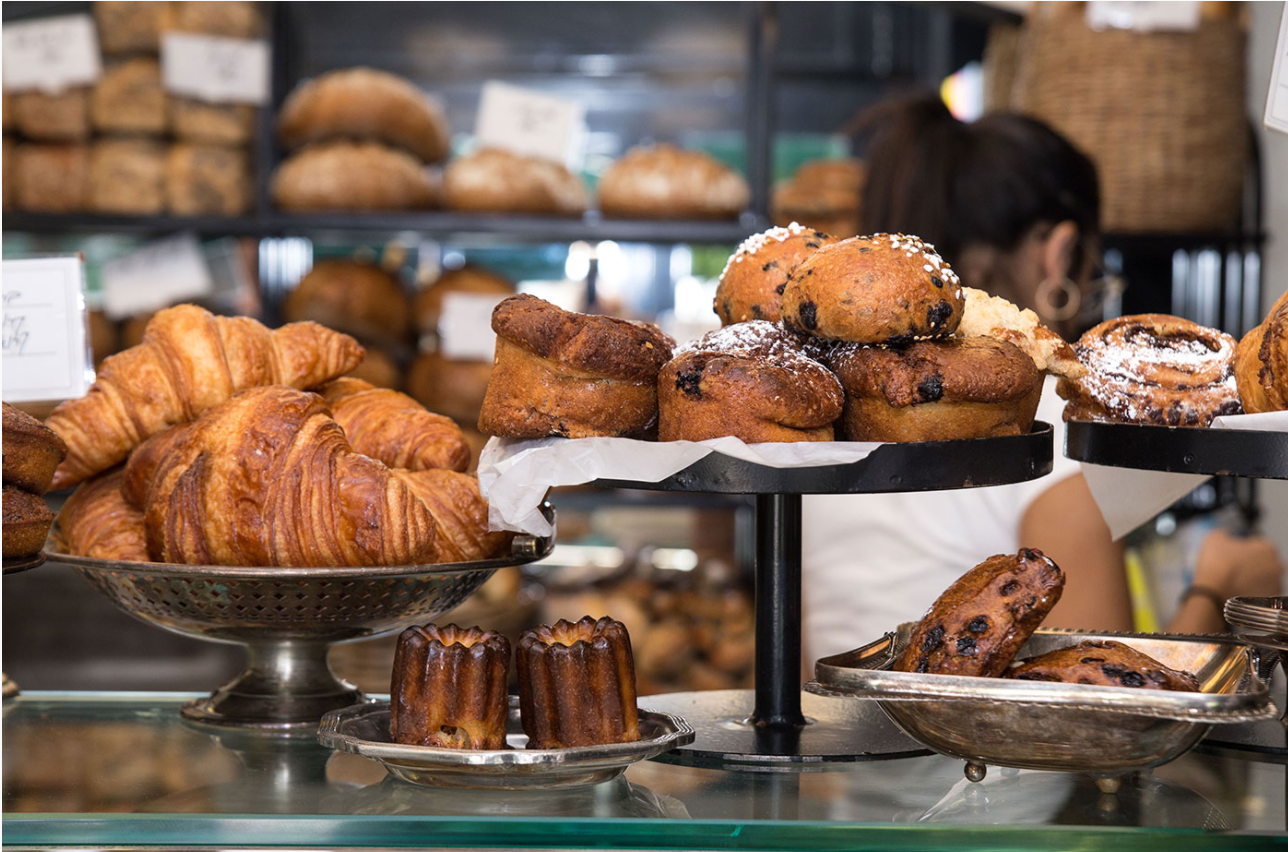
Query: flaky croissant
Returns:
{"type": "Point", "coordinates": [268, 478]}
{"type": "Point", "coordinates": [188, 362]}
{"type": "Point", "coordinates": [393, 428]}
{"type": "Point", "coordinates": [96, 521]}
{"type": "Point", "coordinates": [141, 466]}
{"type": "Point", "coordinates": [460, 512]}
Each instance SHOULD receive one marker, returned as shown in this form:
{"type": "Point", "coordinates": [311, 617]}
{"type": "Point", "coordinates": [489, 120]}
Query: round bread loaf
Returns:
{"type": "Point", "coordinates": [350, 296]}
{"type": "Point", "coordinates": [26, 522]}
{"type": "Point", "coordinates": [351, 176]}
{"type": "Point", "coordinates": [885, 288]}
{"type": "Point", "coordinates": [495, 181]}
{"type": "Point", "coordinates": [751, 285]}
{"type": "Point", "coordinates": [366, 104]}
{"type": "Point", "coordinates": [51, 178]}
{"type": "Point", "coordinates": [32, 451]}
{"type": "Point", "coordinates": [823, 194]}
{"type": "Point", "coordinates": [128, 26]}
{"type": "Point", "coordinates": [63, 117]}
{"type": "Point", "coordinates": [751, 381]}
{"type": "Point", "coordinates": [937, 390]}
{"type": "Point", "coordinates": [229, 18]}
{"type": "Point", "coordinates": [666, 182]}
{"type": "Point", "coordinates": [468, 279]}
{"type": "Point", "coordinates": [454, 388]}
{"type": "Point", "coordinates": [568, 374]}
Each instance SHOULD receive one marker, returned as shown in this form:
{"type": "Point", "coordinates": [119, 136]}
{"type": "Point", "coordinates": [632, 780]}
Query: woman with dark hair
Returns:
{"type": "Point", "coordinates": [1015, 208]}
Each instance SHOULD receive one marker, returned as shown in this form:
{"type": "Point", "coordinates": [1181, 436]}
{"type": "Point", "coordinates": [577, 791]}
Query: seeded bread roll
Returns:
{"type": "Point", "coordinates": [495, 181]}
{"type": "Point", "coordinates": [51, 178]}
{"type": "Point", "coordinates": [572, 375]}
{"type": "Point", "coordinates": [129, 99]}
{"type": "Point", "coordinates": [936, 390]}
{"type": "Point", "coordinates": [751, 381]}
{"type": "Point", "coordinates": [229, 18]}
{"type": "Point", "coordinates": [207, 180]}
{"type": "Point", "coordinates": [751, 285]}
{"type": "Point", "coordinates": [666, 182]}
{"type": "Point", "coordinates": [26, 522]}
{"type": "Point", "coordinates": [351, 176]}
{"type": "Point", "coordinates": [63, 117]}
{"type": "Point", "coordinates": [130, 26]}
{"type": "Point", "coordinates": [31, 451]}
{"type": "Point", "coordinates": [127, 176]}
{"type": "Point", "coordinates": [216, 124]}
{"type": "Point", "coordinates": [980, 623]}
{"type": "Point", "coordinates": [886, 288]}
{"type": "Point", "coordinates": [1104, 663]}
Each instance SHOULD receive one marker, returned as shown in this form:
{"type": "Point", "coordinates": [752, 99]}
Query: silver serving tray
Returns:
{"type": "Point", "coordinates": [364, 730]}
{"type": "Point", "coordinates": [1040, 725]}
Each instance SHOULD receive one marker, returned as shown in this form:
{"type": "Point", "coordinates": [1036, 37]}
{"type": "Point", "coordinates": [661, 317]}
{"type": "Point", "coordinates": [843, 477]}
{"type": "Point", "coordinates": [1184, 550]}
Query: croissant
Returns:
{"type": "Point", "coordinates": [141, 466]}
{"type": "Point", "coordinates": [1261, 362]}
{"type": "Point", "coordinates": [460, 513]}
{"type": "Point", "coordinates": [96, 521]}
{"type": "Point", "coordinates": [393, 428]}
{"type": "Point", "coordinates": [268, 478]}
{"type": "Point", "coordinates": [189, 361]}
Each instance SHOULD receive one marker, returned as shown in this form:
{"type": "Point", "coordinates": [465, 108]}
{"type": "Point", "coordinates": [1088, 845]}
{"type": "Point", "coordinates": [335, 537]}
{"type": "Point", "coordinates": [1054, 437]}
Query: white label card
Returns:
{"type": "Point", "coordinates": [1143, 15]}
{"type": "Point", "coordinates": [528, 122]}
{"type": "Point", "coordinates": [51, 54]}
{"type": "Point", "coordinates": [215, 68]}
{"type": "Point", "coordinates": [1277, 98]}
{"type": "Point", "coordinates": [465, 326]}
{"type": "Point", "coordinates": [45, 353]}
{"type": "Point", "coordinates": [155, 276]}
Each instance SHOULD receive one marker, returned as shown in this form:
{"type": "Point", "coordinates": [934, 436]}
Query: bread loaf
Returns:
{"type": "Point", "coordinates": [129, 99]}
{"type": "Point", "coordinates": [351, 176]}
{"type": "Point", "coordinates": [51, 178]}
{"type": "Point", "coordinates": [63, 117]}
{"type": "Point", "coordinates": [127, 176]}
{"type": "Point", "coordinates": [195, 120]}
{"type": "Point", "coordinates": [207, 180]}
{"type": "Point", "coordinates": [130, 26]}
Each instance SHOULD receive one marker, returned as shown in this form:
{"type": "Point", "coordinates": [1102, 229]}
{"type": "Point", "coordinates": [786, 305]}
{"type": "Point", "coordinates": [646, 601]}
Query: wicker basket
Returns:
{"type": "Point", "coordinates": [1162, 114]}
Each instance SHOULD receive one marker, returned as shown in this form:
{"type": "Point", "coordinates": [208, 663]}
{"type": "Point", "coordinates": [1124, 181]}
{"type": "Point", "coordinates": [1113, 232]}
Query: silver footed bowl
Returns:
{"type": "Point", "coordinates": [287, 619]}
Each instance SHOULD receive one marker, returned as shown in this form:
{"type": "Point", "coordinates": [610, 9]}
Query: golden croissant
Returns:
{"type": "Point", "coordinates": [188, 362]}
{"type": "Point", "coordinates": [143, 463]}
{"type": "Point", "coordinates": [393, 428]}
{"type": "Point", "coordinates": [96, 521]}
{"type": "Point", "coordinates": [460, 513]}
{"type": "Point", "coordinates": [268, 478]}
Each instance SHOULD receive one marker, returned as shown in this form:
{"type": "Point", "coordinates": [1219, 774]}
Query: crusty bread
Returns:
{"type": "Point", "coordinates": [666, 182]}
{"type": "Point", "coordinates": [351, 176]}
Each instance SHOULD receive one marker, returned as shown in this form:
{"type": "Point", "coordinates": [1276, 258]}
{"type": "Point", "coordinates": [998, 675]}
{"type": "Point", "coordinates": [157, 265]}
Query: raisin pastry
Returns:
{"type": "Point", "coordinates": [936, 390]}
{"type": "Point", "coordinates": [885, 288]}
{"type": "Point", "coordinates": [751, 381]}
{"type": "Point", "coordinates": [751, 285]}
{"type": "Point", "coordinates": [1104, 663]}
{"type": "Point", "coordinates": [559, 373]}
{"type": "Point", "coordinates": [980, 623]}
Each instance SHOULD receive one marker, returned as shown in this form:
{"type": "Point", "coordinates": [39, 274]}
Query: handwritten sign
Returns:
{"type": "Point", "coordinates": [46, 354]}
{"type": "Point", "coordinates": [1144, 17]}
{"type": "Point", "coordinates": [1277, 97]}
{"type": "Point", "coordinates": [215, 68]}
{"type": "Point", "coordinates": [465, 326]}
{"type": "Point", "coordinates": [51, 54]}
{"type": "Point", "coordinates": [527, 122]}
{"type": "Point", "coordinates": [155, 276]}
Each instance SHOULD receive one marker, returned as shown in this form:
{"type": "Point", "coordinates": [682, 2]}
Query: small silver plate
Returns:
{"type": "Point", "coordinates": [1041, 725]}
{"type": "Point", "coordinates": [363, 729]}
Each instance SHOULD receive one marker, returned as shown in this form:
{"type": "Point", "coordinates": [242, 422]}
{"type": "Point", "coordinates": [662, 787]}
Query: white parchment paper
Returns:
{"type": "Point", "coordinates": [1128, 498]}
{"type": "Point", "coordinates": [514, 474]}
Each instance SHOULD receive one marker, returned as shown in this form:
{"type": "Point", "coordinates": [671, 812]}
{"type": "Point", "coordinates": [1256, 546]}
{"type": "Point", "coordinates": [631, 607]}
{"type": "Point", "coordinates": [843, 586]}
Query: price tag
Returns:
{"type": "Point", "coordinates": [1143, 16]}
{"type": "Point", "coordinates": [155, 276]}
{"type": "Point", "coordinates": [1277, 97]}
{"type": "Point", "coordinates": [215, 68]}
{"type": "Point", "coordinates": [465, 326]}
{"type": "Point", "coordinates": [51, 54]}
{"type": "Point", "coordinates": [46, 355]}
{"type": "Point", "coordinates": [530, 123]}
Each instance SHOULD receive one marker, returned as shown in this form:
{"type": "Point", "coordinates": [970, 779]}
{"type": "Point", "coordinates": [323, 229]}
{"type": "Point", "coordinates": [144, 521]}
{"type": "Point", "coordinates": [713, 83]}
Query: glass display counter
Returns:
{"type": "Point", "coordinates": [125, 769]}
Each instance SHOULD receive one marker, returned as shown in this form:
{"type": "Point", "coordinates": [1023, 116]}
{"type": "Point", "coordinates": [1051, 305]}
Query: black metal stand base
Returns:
{"type": "Point", "coordinates": [836, 731]}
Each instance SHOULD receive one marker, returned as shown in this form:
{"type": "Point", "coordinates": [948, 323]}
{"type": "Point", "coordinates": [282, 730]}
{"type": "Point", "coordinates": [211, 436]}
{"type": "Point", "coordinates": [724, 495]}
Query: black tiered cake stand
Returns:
{"type": "Point", "coordinates": [1214, 452]}
{"type": "Point", "coordinates": [768, 728]}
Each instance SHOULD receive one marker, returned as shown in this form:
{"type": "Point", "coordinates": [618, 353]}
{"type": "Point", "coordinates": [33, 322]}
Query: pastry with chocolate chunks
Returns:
{"type": "Point", "coordinates": [1104, 662]}
{"type": "Point", "coordinates": [980, 623]}
{"type": "Point", "coordinates": [560, 373]}
{"type": "Point", "coordinates": [752, 283]}
{"type": "Point", "coordinates": [751, 381]}
{"type": "Point", "coordinates": [884, 288]}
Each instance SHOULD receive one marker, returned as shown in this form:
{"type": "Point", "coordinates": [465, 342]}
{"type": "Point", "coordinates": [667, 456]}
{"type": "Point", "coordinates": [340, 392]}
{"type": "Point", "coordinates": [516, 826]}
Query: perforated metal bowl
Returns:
{"type": "Point", "coordinates": [287, 618]}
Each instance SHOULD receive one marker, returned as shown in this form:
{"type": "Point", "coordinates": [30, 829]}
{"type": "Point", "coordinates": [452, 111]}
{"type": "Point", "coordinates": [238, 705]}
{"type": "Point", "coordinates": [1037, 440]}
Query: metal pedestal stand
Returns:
{"type": "Point", "coordinates": [769, 729]}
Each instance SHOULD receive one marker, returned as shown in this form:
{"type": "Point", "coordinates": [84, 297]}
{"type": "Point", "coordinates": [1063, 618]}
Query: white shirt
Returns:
{"type": "Point", "coordinates": [871, 561]}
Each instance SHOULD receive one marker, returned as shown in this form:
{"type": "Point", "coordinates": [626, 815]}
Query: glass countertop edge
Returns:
{"type": "Point", "coordinates": [308, 831]}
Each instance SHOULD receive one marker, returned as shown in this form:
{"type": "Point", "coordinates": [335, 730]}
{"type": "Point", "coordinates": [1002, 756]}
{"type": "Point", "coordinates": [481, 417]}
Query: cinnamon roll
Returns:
{"type": "Point", "coordinates": [1153, 369]}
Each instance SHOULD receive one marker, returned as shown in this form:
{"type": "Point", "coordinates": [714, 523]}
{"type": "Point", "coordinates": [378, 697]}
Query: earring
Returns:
{"type": "Point", "coordinates": [1046, 303]}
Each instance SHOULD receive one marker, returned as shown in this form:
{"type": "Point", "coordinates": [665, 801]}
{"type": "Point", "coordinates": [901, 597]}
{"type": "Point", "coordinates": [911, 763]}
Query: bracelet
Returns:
{"type": "Point", "coordinates": [1217, 599]}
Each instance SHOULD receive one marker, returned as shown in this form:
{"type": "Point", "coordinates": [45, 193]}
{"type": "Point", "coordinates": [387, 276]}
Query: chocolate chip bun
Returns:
{"type": "Point", "coordinates": [572, 375]}
{"type": "Point", "coordinates": [980, 623]}
{"type": "Point", "coordinates": [26, 522]}
{"type": "Point", "coordinates": [752, 381]}
{"type": "Point", "coordinates": [936, 390]}
{"type": "Point", "coordinates": [32, 451]}
{"type": "Point", "coordinates": [751, 285]}
{"type": "Point", "coordinates": [886, 288]}
{"type": "Point", "coordinates": [1104, 663]}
